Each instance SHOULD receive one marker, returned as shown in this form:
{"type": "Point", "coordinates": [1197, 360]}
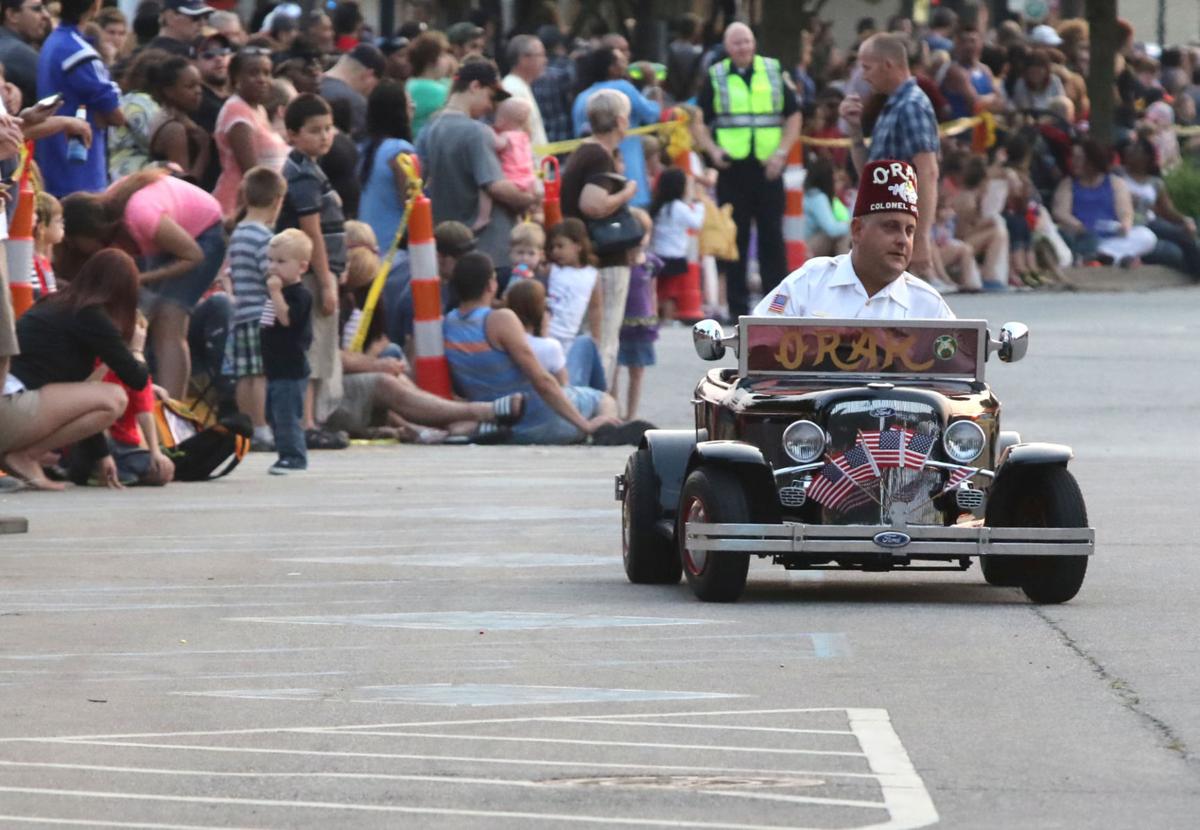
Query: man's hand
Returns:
{"type": "Point", "coordinates": [328, 300]}
{"type": "Point", "coordinates": [720, 159]}
{"type": "Point", "coordinates": [78, 128]}
{"type": "Point", "coordinates": [850, 110]}
{"type": "Point", "coordinates": [600, 421]}
{"type": "Point", "coordinates": [11, 137]}
{"type": "Point", "coordinates": [162, 469]}
{"type": "Point", "coordinates": [106, 473]}
{"type": "Point", "coordinates": [774, 166]}
{"type": "Point", "coordinates": [391, 366]}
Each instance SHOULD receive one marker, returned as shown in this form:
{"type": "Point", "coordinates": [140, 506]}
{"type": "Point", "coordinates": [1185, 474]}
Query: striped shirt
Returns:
{"type": "Point", "coordinates": [248, 269]}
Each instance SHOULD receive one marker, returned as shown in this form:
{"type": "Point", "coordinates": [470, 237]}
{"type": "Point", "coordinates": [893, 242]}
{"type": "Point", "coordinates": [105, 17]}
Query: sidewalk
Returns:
{"type": "Point", "coordinates": [1142, 278]}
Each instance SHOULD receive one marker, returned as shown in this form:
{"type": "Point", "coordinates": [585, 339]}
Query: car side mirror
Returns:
{"type": "Point", "coordinates": [1014, 342]}
{"type": "Point", "coordinates": [709, 339]}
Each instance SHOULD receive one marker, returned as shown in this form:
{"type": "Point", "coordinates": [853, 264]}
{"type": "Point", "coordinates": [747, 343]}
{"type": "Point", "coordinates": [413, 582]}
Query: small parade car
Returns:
{"type": "Point", "coordinates": [868, 445]}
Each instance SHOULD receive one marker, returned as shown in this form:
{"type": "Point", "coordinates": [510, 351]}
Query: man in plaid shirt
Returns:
{"type": "Point", "coordinates": [906, 130]}
{"type": "Point", "coordinates": [553, 89]}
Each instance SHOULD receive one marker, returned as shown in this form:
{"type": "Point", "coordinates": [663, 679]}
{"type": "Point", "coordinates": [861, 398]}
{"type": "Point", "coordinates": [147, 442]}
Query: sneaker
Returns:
{"type": "Point", "coordinates": [285, 466]}
{"type": "Point", "coordinates": [323, 439]}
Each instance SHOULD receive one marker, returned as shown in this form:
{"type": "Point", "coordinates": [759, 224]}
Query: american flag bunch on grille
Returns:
{"type": "Point", "coordinates": [957, 477]}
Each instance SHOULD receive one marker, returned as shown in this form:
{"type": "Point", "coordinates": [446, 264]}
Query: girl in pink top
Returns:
{"type": "Point", "coordinates": [515, 151]}
{"type": "Point", "coordinates": [175, 230]}
{"type": "Point", "coordinates": [244, 135]}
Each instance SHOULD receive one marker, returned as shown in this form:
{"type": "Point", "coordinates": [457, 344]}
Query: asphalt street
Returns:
{"type": "Point", "coordinates": [444, 637]}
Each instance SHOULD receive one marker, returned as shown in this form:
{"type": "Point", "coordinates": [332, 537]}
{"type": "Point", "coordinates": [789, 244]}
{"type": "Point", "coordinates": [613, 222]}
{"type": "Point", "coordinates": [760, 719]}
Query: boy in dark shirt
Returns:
{"type": "Point", "coordinates": [286, 336]}
{"type": "Point", "coordinates": [313, 206]}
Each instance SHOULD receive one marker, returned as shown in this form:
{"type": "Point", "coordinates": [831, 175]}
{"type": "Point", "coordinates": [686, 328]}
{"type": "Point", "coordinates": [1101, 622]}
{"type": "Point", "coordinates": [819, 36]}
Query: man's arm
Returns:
{"type": "Point", "coordinates": [791, 134]}
{"type": "Point", "coordinates": [926, 166]}
{"type": "Point", "coordinates": [850, 111]}
{"type": "Point", "coordinates": [509, 195]}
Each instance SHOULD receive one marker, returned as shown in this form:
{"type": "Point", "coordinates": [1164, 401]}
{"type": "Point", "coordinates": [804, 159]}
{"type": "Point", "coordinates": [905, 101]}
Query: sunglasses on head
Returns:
{"type": "Point", "coordinates": [209, 54]}
{"type": "Point", "coordinates": [254, 51]}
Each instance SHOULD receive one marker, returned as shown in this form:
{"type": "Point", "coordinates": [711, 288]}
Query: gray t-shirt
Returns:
{"type": "Point", "coordinates": [458, 160]}
{"type": "Point", "coordinates": [334, 89]}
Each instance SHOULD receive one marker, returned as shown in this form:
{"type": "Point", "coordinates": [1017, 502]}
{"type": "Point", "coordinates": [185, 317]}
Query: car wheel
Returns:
{"type": "Point", "coordinates": [713, 495]}
{"type": "Point", "coordinates": [649, 558]}
{"type": "Point", "coordinates": [1041, 497]}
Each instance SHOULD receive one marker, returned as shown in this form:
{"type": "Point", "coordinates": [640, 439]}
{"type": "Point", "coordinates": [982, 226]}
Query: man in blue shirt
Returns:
{"type": "Point", "coordinates": [69, 64]}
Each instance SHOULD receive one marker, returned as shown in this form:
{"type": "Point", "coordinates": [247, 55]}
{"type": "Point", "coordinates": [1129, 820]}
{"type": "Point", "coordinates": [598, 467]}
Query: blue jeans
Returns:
{"type": "Point", "coordinates": [186, 289]}
{"type": "Point", "coordinates": [285, 411]}
{"type": "Point", "coordinates": [584, 367]}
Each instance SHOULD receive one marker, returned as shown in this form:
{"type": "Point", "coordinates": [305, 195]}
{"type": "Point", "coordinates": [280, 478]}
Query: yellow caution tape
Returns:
{"type": "Point", "coordinates": [385, 264]}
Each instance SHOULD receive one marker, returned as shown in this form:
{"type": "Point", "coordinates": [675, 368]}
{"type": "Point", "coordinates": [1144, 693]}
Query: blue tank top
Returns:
{"type": "Point", "coordinates": [1093, 206]}
{"type": "Point", "coordinates": [481, 372]}
{"type": "Point", "coordinates": [959, 107]}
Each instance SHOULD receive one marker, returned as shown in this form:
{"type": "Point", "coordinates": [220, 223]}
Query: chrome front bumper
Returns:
{"type": "Point", "coordinates": [923, 540]}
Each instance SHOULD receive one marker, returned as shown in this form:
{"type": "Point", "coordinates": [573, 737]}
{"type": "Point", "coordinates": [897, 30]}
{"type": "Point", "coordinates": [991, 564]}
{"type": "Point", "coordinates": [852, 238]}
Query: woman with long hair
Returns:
{"type": "Point", "coordinates": [175, 227]}
{"type": "Point", "coordinates": [129, 144]}
{"type": "Point", "coordinates": [385, 183]}
{"type": "Point", "coordinates": [429, 84]}
{"type": "Point", "coordinates": [824, 233]}
{"type": "Point", "coordinates": [62, 338]}
{"type": "Point", "coordinates": [244, 135]}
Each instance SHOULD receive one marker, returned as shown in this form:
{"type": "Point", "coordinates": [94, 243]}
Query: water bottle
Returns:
{"type": "Point", "coordinates": [77, 153]}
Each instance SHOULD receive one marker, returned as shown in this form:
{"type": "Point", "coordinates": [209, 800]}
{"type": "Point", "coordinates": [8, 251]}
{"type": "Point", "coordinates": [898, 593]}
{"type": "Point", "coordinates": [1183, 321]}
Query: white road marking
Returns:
{"type": "Point", "coordinates": [578, 742]}
{"type": "Point", "coordinates": [908, 802]}
{"type": "Point", "coordinates": [179, 652]}
{"type": "Point", "coordinates": [475, 620]}
{"type": "Point", "coordinates": [717, 726]}
{"type": "Point", "coordinates": [394, 808]}
{"type": "Point", "coordinates": [140, 825]}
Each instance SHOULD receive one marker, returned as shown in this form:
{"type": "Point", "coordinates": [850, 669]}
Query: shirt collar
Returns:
{"type": "Point", "coordinates": [896, 290]}
{"type": "Point", "coordinates": [903, 90]}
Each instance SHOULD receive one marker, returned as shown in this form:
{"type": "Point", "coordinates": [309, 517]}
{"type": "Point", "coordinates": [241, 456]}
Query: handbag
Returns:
{"type": "Point", "coordinates": [615, 233]}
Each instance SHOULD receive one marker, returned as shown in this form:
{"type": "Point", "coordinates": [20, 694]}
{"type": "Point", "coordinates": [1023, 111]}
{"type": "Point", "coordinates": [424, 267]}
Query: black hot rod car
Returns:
{"type": "Point", "coordinates": [856, 445]}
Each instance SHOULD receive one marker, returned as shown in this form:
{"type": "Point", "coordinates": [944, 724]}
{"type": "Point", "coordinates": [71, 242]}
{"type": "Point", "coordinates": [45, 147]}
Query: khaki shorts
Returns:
{"type": "Point", "coordinates": [17, 414]}
{"type": "Point", "coordinates": [357, 411]}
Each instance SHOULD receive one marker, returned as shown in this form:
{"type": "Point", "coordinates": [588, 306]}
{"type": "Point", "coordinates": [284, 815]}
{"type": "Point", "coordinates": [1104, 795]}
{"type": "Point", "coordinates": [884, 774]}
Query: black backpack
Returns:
{"type": "Point", "coordinates": [197, 451]}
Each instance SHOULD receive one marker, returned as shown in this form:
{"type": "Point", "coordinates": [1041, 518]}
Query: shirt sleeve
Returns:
{"type": "Point", "coordinates": [93, 327]}
{"type": "Point", "coordinates": [821, 211]}
{"type": "Point", "coordinates": [645, 111]}
{"type": "Point", "coordinates": [304, 192]}
{"type": "Point", "coordinates": [91, 82]}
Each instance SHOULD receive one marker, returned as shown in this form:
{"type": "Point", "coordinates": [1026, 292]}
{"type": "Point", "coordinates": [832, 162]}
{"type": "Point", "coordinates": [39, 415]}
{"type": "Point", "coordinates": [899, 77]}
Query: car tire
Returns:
{"type": "Point", "coordinates": [711, 494]}
{"type": "Point", "coordinates": [649, 558]}
{"type": "Point", "coordinates": [1044, 496]}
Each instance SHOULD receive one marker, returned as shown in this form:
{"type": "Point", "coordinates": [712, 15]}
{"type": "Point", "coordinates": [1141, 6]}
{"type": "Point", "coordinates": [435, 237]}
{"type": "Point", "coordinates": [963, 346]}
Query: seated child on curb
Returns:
{"type": "Point", "coordinates": [263, 192]}
{"type": "Point", "coordinates": [286, 336]}
{"type": "Point", "coordinates": [527, 299]}
{"type": "Point", "coordinates": [527, 251]}
{"type": "Point", "coordinates": [47, 232]}
{"type": "Point", "coordinates": [515, 151]}
{"type": "Point", "coordinates": [639, 329]}
{"type": "Point", "coordinates": [573, 289]}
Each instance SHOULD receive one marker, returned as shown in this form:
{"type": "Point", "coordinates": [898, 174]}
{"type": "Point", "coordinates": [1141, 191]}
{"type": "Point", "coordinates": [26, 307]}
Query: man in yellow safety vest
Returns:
{"type": "Point", "coordinates": [751, 121]}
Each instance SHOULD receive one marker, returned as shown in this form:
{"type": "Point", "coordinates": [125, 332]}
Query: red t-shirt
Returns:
{"type": "Point", "coordinates": [126, 430]}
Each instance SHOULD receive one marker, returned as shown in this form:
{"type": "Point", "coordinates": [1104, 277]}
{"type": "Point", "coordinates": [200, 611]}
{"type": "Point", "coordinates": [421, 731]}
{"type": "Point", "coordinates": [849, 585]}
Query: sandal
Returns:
{"type": "Point", "coordinates": [489, 433]}
{"type": "Point", "coordinates": [509, 409]}
{"type": "Point", "coordinates": [323, 439]}
{"type": "Point", "coordinates": [617, 435]}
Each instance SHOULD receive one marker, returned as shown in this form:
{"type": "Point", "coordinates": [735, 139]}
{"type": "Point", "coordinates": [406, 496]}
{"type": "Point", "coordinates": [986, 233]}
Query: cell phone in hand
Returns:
{"type": "Point", "coordinates": [50, 102]}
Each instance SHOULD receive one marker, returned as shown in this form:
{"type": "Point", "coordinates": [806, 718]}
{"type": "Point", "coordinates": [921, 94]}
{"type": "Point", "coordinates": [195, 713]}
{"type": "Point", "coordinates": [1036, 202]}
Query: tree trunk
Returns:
{"type": "Point", "coordinates": [1101, 80]}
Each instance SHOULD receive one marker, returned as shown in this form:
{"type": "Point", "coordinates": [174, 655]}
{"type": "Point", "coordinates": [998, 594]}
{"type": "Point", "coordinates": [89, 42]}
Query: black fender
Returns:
{"type": "Point", "coordinates": [747, 463]}
{"type": "Point", "coordinates": [1033, 454]}
{"type": "Point", "coordinates": [670, 450]}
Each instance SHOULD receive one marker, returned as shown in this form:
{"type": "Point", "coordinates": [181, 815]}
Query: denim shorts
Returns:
{"type": "Point", "coordinates": [185, 290]}
{"type": "Point", "coordinates": [552, 428]}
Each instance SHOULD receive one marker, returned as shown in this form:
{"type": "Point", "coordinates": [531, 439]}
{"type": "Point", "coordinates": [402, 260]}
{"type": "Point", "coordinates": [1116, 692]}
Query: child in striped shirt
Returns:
{"type": "Point", "coordinates": [263, 190]}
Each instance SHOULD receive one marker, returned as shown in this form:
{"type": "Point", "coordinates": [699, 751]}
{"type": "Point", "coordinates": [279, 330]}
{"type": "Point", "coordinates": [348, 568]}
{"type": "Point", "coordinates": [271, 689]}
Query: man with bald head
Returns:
{"type": "Point", "coordinates": [906, 129]}
{"type": "Point", "coordinates": [751, 121]}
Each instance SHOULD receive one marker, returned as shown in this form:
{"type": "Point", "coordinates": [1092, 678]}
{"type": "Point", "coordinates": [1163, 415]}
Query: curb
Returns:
{"type": "Point", "coordinates": [1142, 278]}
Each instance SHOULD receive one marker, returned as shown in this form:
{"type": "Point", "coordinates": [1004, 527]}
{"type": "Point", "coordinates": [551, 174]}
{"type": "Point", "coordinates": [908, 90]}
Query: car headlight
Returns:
{"type": "Point", "coordinates": [964, 441]}
{"type": "Point", "coordinates": [804, 441]}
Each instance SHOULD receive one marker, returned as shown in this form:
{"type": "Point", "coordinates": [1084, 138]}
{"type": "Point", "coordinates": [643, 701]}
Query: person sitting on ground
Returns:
{"type": "Point", "coordinates": [952, 259]}
{"type": "Point", "coordinates": [979, 224]}
{"type": "Point", "coordinates": [871, 281]}
{"type": "Point", "coordinates": [47, 233]}
{"type": "Point", "coordinates": [527, 250]}
{"type": "Point", "coordinates": [48, 402]}
{"type": "Point", "coordinates": [823, 233]}
{"type": "Point", "coordinates": [1152, 206]}
{"type": "Point", "coordinates": [527, 299]}
{"type": "Point", "coordinates": [490, 357]}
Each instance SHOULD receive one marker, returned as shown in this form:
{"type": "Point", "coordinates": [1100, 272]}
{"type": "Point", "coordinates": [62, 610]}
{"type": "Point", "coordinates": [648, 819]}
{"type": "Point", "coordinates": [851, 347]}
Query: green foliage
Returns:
{"type": "Point", "coordinates": [1183, 183]}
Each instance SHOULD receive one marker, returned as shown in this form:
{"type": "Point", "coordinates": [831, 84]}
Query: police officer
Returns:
{"type": "Point", "coordinates": [871, 281]}
{"type": "Point", "coordinates": [751, 121]}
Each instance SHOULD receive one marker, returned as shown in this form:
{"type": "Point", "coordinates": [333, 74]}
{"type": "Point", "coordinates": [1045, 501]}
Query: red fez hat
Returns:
{"type": "Point", "coordinates": [887, 186]}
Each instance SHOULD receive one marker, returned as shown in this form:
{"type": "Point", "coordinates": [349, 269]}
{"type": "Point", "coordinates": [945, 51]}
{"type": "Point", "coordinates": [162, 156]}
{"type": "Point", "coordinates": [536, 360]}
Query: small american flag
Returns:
{"type": "Point", "coordinates": [830, 486]}
{"type": "Point", "coordinates": [268, 316]}
{"type": "Point", "coordinates": [778, 302]}
{"type": "Point", "coordinates": [957, 477]}
{"type": "Point", "coordinates": [890, 447]}
{"type": "Point", "coordinates": [856, 499]}
{"type": "Point", "coordinates": [917, 450]}
{"type": "Point", "coordinates": [858, 465]}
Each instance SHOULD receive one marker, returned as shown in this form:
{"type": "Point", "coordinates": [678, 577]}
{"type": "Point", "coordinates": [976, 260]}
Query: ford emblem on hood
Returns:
{"type": "Point", "coordinates": [892, 539]}
{"type": "Point", "coordinates": [882, 412]}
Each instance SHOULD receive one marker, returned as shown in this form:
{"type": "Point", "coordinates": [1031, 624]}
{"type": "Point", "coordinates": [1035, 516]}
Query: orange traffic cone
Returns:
{"type": "Point", "coordinates": [793, 212]}
{"type": "Point", "coordinates": [433, 371]}
{"type": "Point", "coordinates": [551, 203]}
{"type": "Point", "coordinates": [19, 250]}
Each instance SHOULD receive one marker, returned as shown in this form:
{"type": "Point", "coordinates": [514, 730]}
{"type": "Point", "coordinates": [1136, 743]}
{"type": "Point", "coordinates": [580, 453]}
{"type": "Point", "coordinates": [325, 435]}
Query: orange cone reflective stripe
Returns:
{"type": "Point", "coordinates": [433, 372]}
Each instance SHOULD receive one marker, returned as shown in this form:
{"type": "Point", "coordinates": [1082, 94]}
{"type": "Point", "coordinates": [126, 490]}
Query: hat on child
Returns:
{"type": "Point", "coordinates": [887, 186]}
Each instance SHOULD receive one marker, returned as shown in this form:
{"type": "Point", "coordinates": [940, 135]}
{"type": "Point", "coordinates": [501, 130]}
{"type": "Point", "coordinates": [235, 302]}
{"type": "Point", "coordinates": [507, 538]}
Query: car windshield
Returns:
{"type": "Point", "coordinates": [953, 349]}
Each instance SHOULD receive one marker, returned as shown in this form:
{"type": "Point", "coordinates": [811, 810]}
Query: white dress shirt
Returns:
{"type": "Point", "coordinates": [829, 287]}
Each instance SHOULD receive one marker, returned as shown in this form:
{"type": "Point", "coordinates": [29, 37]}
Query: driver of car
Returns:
{"type": "Point", "coordinates": [871, 280]}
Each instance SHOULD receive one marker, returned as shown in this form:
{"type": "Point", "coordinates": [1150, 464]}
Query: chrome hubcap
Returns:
{"type": "Point", "coordinates": [696, 560]}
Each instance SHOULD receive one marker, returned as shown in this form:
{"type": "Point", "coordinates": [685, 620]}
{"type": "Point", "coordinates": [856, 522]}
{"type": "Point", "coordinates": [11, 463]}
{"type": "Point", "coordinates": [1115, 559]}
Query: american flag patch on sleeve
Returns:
{"type": "Point", "coordinates": [778, 302]}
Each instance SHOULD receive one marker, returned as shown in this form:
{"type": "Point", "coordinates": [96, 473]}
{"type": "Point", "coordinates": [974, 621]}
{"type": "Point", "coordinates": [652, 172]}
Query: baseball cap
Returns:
{"type": "Point", "coordinates": [461, 32]}
{"type": "Point", "coordinates": [213, 42]}
{"type": "Point", "coordinates": [391, 45]}
{"type": "Point", "coordinates": [887, 186]}
{"type": "Point", "coordinates": [1044, 35]}
{"type": "Point", "coordinates": [483, 71]}
{"type": "Point", "coordinates": [453, 238]}
{"type": "Point", "coordinates": [370, 57]}
{"type": "Point", "coordinates": [191, 8]}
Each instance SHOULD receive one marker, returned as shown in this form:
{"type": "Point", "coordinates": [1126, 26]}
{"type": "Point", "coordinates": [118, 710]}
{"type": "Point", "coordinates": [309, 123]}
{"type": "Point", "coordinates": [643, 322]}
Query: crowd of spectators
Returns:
{"type": "Point", "coordinates": [233, 189]}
